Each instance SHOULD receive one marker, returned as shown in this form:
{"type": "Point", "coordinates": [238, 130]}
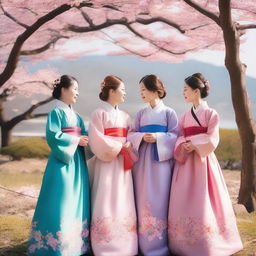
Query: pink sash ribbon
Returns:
{"type": "Point", "coordinates": [72, 130]}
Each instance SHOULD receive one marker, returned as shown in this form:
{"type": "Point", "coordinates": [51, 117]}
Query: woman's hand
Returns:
{"type": "Point", "coordinates": [188, 146]}
{"type": "Point", "coordinates": [84, 140]}
{"type": "Point", "coordinates": [149, 137]}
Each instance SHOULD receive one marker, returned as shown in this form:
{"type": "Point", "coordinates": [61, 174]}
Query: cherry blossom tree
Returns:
{"type": "Point", "coordinates": [163, 30]}
{"type": "Point", "coordinates": [28, 85]}
{"type": "Point", "coordinates": [15, 32]}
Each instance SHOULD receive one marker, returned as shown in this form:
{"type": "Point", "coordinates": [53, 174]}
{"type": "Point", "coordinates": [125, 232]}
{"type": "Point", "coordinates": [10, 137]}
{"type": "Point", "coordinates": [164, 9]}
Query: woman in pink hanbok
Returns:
{"type": "Point", "coordinates": [113, 230]}
{"type": "Point", "coordinates": [201, 218]}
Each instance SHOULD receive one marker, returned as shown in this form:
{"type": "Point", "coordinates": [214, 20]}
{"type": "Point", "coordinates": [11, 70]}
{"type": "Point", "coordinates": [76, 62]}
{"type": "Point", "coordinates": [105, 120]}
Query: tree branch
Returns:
{"type": "Point", "coordinates": [112, 40]}
{"type": "Point", "coordinates": [200, 26]}
{"type": "Point", "coordinates": [87, 18]}
{"type": "Point", "coordinates": [4, 45]}
{"type": "Point", "coordinates": [121, 21]}
{"type": "Point", "coordinates": [159, 19]}
{"type": "Point", "coordinates": [36, 81]}
{"type": "Point", "coordinates": [29, 113]}
{"type": "Point", "coordinates": [4, 95]}
{"type": "Point", "coordinates": [155, 43]}
{"type": "Point", "coordinates": [43, 48]}
{"type": "Point", "coordinates": [111, 7]}
{"type": "Point", "coordinates": [247, 26]}
{"type": "Point", "coordinates": [107, 23]}
{"type": "Point", "coordinates": [15, 52]}
{"type": "Point", "coordinates": [38, 115]}
{"type": "Point", "coordinates": [203, 11]}
{"type": "Point", "coordinates": [12, 18]}
{"type": "Point", "coordinates": [243, 9]}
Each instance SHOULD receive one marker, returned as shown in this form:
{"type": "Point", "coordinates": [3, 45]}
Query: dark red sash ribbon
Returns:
{"type": "Point", "coordinates": [121, 132]}
{"type": "Point", "coordinates": [72, 130]}
{"type": "Point", "coordinates": [194, 130]}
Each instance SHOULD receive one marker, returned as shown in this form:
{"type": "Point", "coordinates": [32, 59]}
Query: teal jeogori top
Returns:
{"type": "Point", "coordinates": [60, 225]}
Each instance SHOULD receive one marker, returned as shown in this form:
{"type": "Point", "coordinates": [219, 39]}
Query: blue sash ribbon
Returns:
{"type": "Point", "coordinates": [152, 128]}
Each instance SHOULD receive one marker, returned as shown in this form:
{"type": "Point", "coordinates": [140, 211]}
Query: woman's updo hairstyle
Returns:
{"type": "Point", "coordinates": [109, 82]}
{"type": "Point", "coordinates": [197, 81]}
{"type": "Point", "coordinates": [64, 81]}
{"type": "Point", "coordinates": [154, 84]}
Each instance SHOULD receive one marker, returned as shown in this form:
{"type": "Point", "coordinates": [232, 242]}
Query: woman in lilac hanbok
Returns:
{"type": "Point", "coordinates": [60, 226]}
{"type": "Point", "coordinates": [201, 218]}
{"type": "Point", "coordinates": [113, 229]}
{"type": "Point", "coordinates": [153, 136]}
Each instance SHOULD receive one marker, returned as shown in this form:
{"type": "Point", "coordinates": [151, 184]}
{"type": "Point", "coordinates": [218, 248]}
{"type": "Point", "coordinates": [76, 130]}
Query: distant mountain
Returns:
{"type": "Point", "coordinates": [91, 70]}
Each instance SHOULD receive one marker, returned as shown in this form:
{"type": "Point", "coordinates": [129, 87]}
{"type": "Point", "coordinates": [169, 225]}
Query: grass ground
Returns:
{"type": "Point", "coordinates": [25, 177]}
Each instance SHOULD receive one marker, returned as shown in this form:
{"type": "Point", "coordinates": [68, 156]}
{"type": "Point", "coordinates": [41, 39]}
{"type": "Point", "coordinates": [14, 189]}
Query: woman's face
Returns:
{"type": "Point", "coordinates": [146, 95]}
{"type": "Point", "coordinates": [119, 94]}
{"type": "Point", "coordinates": [69, 95]}
{"type": "Point", "coordinates": [190, 95]}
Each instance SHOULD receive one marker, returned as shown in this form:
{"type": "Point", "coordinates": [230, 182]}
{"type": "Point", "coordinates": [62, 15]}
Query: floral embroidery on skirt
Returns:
{"type": "Point", "coordinates": [71, 239]}
{"type": "Point", "coordinates": [104, 230]}
{"type": "Point", "coordinates": [150, 226]}
{"type": "Point", "coordinates": [194, 231]}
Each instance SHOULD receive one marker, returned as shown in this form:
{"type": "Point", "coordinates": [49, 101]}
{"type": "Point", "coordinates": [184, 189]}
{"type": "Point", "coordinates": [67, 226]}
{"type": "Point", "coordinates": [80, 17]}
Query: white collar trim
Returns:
{"type": "Point", "coordinates": [159, 105]}
{"type": "Point", "coordinates": [62, 105]}
{"type": "Point", "coordinates": [203, 105]}
{"type": "Point", "coordinates": [107, 106]}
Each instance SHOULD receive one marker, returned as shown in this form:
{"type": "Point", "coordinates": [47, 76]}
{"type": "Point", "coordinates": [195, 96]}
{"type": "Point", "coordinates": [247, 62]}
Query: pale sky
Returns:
{"type": "Point", "coordinates": [247, 54]}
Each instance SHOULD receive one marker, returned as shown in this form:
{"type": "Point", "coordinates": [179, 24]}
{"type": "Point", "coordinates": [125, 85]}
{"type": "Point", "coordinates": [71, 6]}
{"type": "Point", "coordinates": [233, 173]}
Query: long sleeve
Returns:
{"type": "Point", "coordinates": [206, 143]}
{"type": "Point", "coordinates": [84, 131]}
{"type": "Point", "coordinates": [134, 136]}
{"type": "Point", "coordinates": [180, 154]}
{"type": "Point", "coordinates": [87, 150]}
{"type": "Point", "coordinates": [104, 147]}
{"type": "Point", "coordinates": [63, 145]}
{"type": "Point", "coordinates": [165, 141]}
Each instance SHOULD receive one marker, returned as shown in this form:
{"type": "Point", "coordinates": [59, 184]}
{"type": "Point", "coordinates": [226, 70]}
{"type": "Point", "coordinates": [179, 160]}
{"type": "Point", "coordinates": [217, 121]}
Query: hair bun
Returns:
{"type": "Point", "coordinates": [197, 81]}
{"type": "Point", "coordinates": [63, 82]}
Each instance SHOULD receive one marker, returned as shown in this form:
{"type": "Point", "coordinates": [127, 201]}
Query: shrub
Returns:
{"type": "Point", "coordinates": [229, 148]}
{"type": "Point", "coordinates": [27, 148]}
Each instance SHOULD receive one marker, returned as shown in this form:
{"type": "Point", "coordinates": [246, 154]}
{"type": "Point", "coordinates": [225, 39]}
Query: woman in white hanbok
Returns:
{"type": "Point", "coordinates": [113, 230]}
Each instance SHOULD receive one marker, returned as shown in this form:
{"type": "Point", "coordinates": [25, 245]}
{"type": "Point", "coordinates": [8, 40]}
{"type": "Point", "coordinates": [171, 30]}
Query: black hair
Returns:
{"type": "Point", "coordinates": [65, 81]}
{"type": "Point", "coordinates": [197, 81]}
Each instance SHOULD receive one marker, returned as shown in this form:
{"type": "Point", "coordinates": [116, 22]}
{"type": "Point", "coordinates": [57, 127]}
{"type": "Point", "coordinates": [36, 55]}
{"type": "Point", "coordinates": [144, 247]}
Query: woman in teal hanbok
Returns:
{"type": "Point", "coordinates": [62, 215]}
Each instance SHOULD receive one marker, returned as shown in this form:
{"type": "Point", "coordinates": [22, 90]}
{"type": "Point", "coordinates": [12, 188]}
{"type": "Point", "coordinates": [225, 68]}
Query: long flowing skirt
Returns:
{"type": "Point", "coordinates": [201, 217]}
{"type": "Point", "coordinates": [152, 180]}
{"type": "Point", "coordinates": [60, 226]}
{"type": "Point", "coordinates": [113, 230]}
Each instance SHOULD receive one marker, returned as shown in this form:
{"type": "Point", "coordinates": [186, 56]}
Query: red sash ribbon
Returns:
{"type": "Point", "coordinates": [116, 132]}
{"type": "Point", "coordinates": [194, 130]}
{"type": "Point", "coordinates": [72, 130]}
{"type": "Point", "coordinates": [121, 132]}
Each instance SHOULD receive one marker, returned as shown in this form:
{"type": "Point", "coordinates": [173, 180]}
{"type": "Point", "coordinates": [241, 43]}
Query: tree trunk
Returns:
{"type": "Point", "coordinates": [240, 100]}
{"type": "Point", "coordinates": [6, 134]}
{"type": "Point", "coordinates": [247, 192]}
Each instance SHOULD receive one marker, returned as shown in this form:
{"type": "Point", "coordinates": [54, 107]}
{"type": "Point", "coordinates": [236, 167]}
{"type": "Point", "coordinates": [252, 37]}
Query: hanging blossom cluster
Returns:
{"type": "Point", "coordinates": [159, 30]}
